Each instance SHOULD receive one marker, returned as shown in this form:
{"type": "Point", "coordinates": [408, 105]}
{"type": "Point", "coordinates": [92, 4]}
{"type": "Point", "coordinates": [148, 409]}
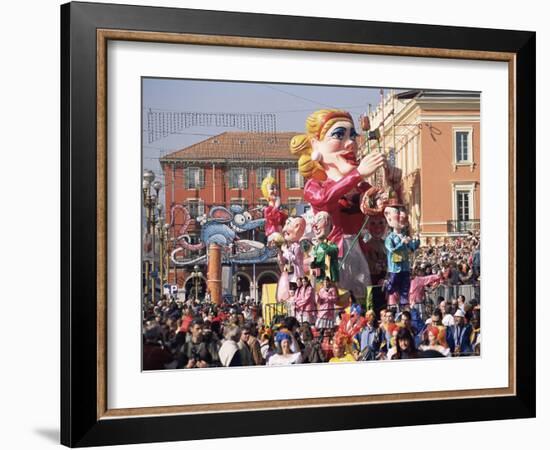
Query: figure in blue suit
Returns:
{"type": "Point", "coordinates": [399, 247]}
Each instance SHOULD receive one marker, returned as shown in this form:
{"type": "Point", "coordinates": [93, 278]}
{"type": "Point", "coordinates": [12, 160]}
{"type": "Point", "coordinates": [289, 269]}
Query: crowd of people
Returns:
{"type": "Point", "coordinates": [198, 334]}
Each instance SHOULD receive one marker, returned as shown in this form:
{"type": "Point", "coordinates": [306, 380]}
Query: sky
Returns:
{"type": "Point", "coordinates": [289, 103]}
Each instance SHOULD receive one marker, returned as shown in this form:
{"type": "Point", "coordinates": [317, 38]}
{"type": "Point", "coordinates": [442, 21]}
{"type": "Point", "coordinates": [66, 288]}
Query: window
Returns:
{"type": "Point", "coordinates": [293, 179]}
{"type": "Point", "coordinates": [464, 210]}
{"type": "Point", "coordinates": [463, 145]}
{"type": "Point", "coordinates": [261, 173]}
{"type": "Point", "coordinates": [262, 202]}
{"type": "Point", "coordinates": [194, 178]}
{"type": "Point", "coordinates": [463, 204]}
{"type": "Point", "coordinates": [293, 202]}
{"type": "Point", "coordinates": [195, 207]}
{"type": "Point", "coordinates": [238, 178]}
{"type": "Point", "coordinates": [239, 201]}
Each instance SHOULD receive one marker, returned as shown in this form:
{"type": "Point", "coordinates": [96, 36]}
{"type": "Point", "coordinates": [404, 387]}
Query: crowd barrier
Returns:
{"type": "Point", "coordinates": [273, 310]}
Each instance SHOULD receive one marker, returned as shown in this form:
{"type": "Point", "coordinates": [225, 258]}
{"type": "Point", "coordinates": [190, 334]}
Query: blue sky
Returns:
{"type": "Point", "coordinates": [289, 103]}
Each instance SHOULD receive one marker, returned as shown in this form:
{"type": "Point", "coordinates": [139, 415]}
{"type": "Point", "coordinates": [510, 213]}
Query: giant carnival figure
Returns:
{"type": "Point", "coordinates": [291, 256]}
{"type": "Point", "coordinates": [336, 183]}
{"type": "Point", "coordinates": [399, 247]}
{"type": "Point", "coordinates": [274, 215]}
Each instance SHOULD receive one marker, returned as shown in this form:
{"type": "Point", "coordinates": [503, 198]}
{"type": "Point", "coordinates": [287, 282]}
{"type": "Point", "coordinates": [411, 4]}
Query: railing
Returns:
{"type": "Point", "coordinates": [462, 226]}
{"type": "Point", "coordinates": [470, 291]}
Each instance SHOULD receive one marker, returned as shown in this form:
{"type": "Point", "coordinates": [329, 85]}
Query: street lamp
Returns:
{"type": "Point", "coordinates": [196, 275]}
{"type": "Point", "coordinates": [153, 214]}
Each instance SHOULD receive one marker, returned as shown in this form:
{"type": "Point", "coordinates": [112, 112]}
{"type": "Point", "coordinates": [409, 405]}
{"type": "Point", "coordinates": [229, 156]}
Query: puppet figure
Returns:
{"type": "Point", "coordinates": [399, 247]}
{"type": "Point", "coordinates": [336, 184]}
{"type": "Point", "coordinates": [274, 216]}
{"type": "Point", "coordinates": [292, 255]}
{"type": "Point", "coordinates": [376, 248]}
{"type": "Point", "coordinates": [324, 256]}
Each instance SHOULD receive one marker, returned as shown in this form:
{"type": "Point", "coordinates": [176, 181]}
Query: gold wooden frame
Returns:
{"type": "Point", "coordinates": [103, 36]}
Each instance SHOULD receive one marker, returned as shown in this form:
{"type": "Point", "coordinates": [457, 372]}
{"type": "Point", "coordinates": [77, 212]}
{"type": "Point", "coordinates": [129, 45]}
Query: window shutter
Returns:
{"type": "Point", "coordinates": [287, 179]}
{"type": "Point", "coordinates": [245, 178]}
{"type": "Point", "coordinates": [186, 178]}
{"type": "Point", "coordinates": [201, 208]}
{"type": "Point", "coordinates": [201, 178]}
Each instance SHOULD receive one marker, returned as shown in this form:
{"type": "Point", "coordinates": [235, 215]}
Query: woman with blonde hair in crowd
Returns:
{"type": "Point", "coordinates": [336, 183]}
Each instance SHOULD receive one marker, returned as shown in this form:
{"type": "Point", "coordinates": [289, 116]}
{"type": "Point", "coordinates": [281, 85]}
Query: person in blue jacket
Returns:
{"type": "Point", "coordinates": [399, 247]}
{"type": "Point", "coordinates": [458, 336]}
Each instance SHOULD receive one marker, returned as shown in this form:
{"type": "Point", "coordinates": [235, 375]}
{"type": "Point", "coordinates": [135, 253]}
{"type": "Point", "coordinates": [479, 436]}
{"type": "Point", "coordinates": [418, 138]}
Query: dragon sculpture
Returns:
{"type": "Point", "coordinates": [221, 227]}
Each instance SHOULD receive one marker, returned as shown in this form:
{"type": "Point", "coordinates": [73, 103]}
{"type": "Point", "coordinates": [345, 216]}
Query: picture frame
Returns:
{"type": "Point", "coordinates": [86, 419]}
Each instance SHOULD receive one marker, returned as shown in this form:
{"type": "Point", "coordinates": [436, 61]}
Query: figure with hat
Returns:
{"type": "Point", "coordinates": [458, 335]}
{"type": "Point", "coordinates": [336, 183]}
{"type": "Point", "coordinates": [399, 247]}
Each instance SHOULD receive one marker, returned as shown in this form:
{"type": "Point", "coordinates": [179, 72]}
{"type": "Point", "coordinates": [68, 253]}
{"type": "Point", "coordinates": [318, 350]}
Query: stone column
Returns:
{"type": "Point", "coordinates": [214, 281]}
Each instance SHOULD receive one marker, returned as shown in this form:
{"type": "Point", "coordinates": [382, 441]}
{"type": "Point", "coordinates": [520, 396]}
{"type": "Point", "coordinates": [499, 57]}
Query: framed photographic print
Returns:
{"type": "Point", "coordinates": [281, 231]}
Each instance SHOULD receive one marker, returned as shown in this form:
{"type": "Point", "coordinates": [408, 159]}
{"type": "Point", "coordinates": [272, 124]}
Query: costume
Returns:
{"type": "Point", "coordinates": [326, 300]}
{"type": "Point", "coordinates": [294, 258]}
{"type": "Point", "coordinates": [418, 287]}
{"type": "Point", "coordinates": [399, 268]}
{"type": "Point", "coordinates": [284, 360]}
{"type": "Point", "coordinates": [275, 218]}
{"type": "Point", "coordinates": [325, 256]}
{"type": "Point", "coordinates": [340, 199]}
{"type": "Point", "coordinates": [346, 358]}
{"type": "Point", "coordinates": [304, 304]}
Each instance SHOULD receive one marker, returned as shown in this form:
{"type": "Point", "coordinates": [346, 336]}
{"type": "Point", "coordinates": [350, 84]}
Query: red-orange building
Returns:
{"type": "Point", "coordinates": [434, 138]}
{"type": "Point", "coordinates": [228, 169]}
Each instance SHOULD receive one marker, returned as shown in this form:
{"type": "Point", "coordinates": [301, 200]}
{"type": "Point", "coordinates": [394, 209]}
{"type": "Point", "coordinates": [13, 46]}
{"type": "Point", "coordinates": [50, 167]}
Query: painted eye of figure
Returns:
{"type": "Point", "coordinates": [247, 216]}
{"type": "Point", "coordinates": [340, 133]}
{"type": "Point", "coordinates": [239, 219]}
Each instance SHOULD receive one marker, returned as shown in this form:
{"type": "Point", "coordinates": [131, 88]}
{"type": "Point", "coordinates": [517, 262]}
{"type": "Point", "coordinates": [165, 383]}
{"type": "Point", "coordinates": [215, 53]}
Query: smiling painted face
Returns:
{"type": "Point", "coordinates": [337, 150]}
{"type": "Point", "coordinates": [396, 217]}
{"type": "Point", "coordinates": [322, 224]}
{"type": "Point", "coordinates": [294, 229]}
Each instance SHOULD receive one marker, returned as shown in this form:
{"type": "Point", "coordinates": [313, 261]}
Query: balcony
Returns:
{"type": "Point", "coordinates": [462, 226]}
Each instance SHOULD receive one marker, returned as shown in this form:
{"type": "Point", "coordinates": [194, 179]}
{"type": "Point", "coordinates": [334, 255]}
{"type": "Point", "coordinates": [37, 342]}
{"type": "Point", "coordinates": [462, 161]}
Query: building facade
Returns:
{"type": "Point", "coordinates": [224, 170]}
{"type": "Point", "coordinates": [433, 137]}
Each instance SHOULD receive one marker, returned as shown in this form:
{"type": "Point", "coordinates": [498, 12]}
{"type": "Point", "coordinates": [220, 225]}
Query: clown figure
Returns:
{"type": "Point", "coordinates": [325, 253]}
{"type": "Point", "coordinates": [399, 247]}
{"type": "Point", "coordinates": [292, 255]}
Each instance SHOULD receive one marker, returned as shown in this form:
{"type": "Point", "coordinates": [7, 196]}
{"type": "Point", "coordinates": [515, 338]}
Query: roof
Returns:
{"type": "Point", "coordinates": [238, 146]}
{"type": "Point", "coordinates": [427, 93]}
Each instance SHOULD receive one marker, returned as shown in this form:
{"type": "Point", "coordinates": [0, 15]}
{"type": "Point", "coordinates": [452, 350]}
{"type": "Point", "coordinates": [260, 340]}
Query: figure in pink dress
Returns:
{"type": "Point", "coordinates": [291, 256]}
{"type": "Point", "coordinates": [327, 298]}
{"type": "Point", "coordinates": [304, 302]}
{"type": "Point", "coordinates": [274, 216]}
{"type": "Point", "coordinates": [336, 183]}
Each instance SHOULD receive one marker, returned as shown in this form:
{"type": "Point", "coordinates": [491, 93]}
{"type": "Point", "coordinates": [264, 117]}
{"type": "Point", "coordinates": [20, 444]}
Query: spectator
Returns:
{"type": "Point", "coordinates": [196, 353]}
{"type": "Point", "coordinates": [404, 348]}
{"type": "Point", "coordinates": [229, 351]}
{"type": "Point", "coordinates": [434, 343]}
{"type": "Point", "coordinates": [155, 356]}
{"type": "Point", "coordinates": [284, 356]}
{"type": "Point", "coordinates": [458, 336]}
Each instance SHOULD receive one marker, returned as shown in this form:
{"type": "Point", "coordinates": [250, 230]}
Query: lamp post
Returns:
{"type": "Point", "coordinates": [153, 213]}
{"type": "Point", "coordinates": [196, 275]}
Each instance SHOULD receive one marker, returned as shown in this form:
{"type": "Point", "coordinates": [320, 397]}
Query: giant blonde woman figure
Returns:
{"type": "Point", "coordinates": [336, 183]}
